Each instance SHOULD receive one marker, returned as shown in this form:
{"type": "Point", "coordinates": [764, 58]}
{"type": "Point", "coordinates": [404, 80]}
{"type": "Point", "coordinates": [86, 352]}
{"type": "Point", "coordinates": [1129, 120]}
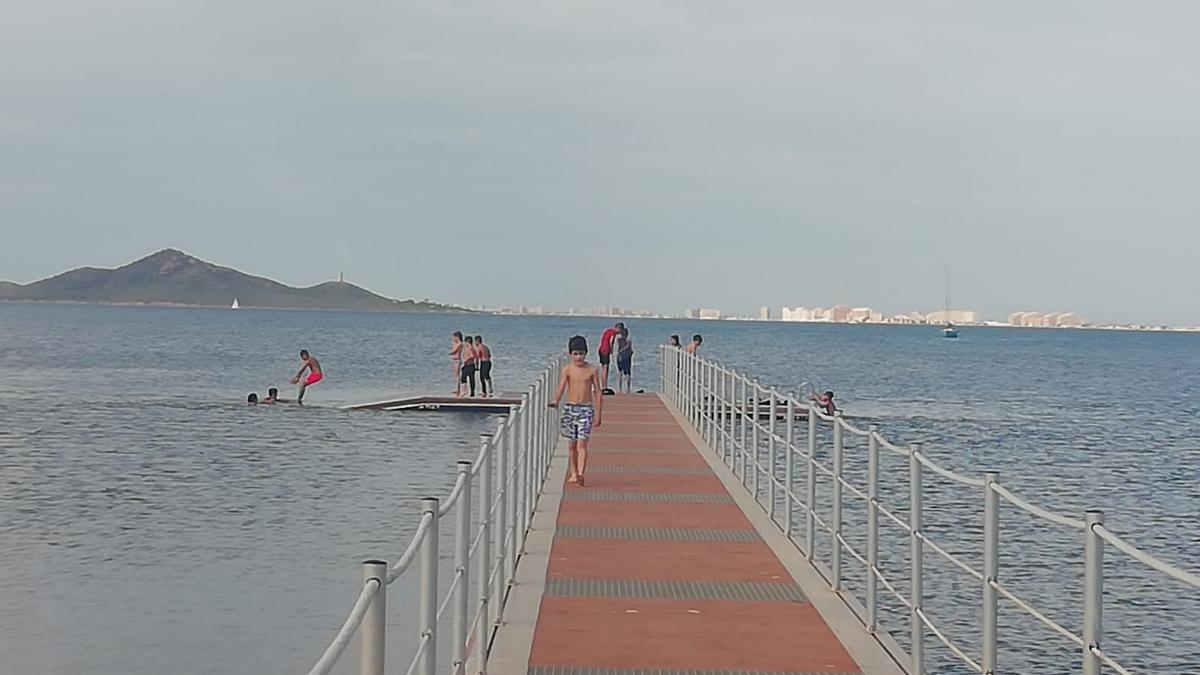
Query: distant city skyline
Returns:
{"type": "Point", "coordinates": [577, 154]}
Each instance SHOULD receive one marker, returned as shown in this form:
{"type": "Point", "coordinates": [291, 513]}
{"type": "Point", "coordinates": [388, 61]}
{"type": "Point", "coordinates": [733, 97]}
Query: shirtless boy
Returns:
{"type": "Point", "coordinates": [313, 366]}
{"type": "Point", "coordinates": [581, 412]}
{"type": "Point", "coordinates": [484, 355]}
{"type": "Point", "coordinates": [456, 346]}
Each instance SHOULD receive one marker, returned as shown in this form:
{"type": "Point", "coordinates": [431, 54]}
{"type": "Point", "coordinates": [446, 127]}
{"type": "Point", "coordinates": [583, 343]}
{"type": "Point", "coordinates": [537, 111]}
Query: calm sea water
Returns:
{"type": "Point", "coordinates": [150, 522]}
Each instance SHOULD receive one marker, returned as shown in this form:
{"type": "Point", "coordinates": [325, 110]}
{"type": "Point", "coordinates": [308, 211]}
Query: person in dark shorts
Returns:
{"type": "Point", "coordinates": [625, 362]}
{"type": "Point", "coordinates": [469, 363]}
{"type": "Point", "coordinates": [483, 354]}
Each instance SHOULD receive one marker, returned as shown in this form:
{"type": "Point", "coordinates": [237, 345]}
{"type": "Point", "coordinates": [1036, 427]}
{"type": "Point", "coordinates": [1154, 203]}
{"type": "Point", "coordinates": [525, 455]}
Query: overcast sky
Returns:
{"type": "Point", "coordinates": [631, 152]}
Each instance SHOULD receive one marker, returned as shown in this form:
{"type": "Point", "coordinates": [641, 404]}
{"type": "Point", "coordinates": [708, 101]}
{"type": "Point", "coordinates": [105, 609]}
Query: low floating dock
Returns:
{"type": "Point", "coordinates": [501, 403]}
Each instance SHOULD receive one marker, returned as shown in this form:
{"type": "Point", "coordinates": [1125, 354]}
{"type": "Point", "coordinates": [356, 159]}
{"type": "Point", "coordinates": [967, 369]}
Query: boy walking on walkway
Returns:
{"type": "Point", "coordinates": [582, 410]}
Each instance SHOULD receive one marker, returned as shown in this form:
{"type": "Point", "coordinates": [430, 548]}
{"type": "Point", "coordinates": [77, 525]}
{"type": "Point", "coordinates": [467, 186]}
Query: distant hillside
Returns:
{"type": "Point", "coordinates": [174, 277]}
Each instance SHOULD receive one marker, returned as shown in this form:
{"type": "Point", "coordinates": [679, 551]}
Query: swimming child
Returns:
{"type": "Point", "coordinates": [470, 359]}
{"type": "Point", "coordinates": [625, 361]}
{"type": "Point", "coordinates": [484, 354]}
{"type": "Point", "coordinates": [272, 397]}
{"type": "Point", "coordinates": [825, 402]}
{"type": "Point", "coordinates": [456, 360]}
{"type": "Point", "coordinates": [314, 374]}
{"type": "Point", "coordinates": [252, 399]}
{"type": "Point", "coordinates": [581, 381]}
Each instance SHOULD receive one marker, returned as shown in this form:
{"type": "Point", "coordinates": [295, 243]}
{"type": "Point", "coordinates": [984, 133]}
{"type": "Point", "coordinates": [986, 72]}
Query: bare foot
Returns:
{"type": "Point", "coordinates": [581, 483]}
{"type": "Point", "coordinates": [572, 479]}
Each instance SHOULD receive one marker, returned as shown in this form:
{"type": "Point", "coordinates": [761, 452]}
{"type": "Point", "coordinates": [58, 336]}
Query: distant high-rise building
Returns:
{"type": "Point", "coordinates": [708, 313]}
{"type": "Point", "coordinates": [764, 313]}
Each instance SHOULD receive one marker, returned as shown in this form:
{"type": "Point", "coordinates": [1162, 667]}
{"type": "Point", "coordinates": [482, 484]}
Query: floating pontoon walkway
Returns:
{"type": "Point", "coordinates": [500, 403]}
{"type": "Point", "coordinates": [657, 567]}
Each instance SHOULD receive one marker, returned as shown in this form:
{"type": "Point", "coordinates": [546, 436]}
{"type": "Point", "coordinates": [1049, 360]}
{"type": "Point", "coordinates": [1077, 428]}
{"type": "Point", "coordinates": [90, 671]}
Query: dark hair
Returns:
{"type": "Point", "coordinates": [479, 338]}
{"type": "Point", "coordinates": [252, 398]}
{"type": "Point", "coordinates": [458, 334]}
{"type": "Point", "coordinates": [829, 394]}
{"type": "Point", "coordinates": [303, 353]}
{"type": "Point", "coordinates": [577, 344]}
{"type": "Point", "coordinates": [697, 338]}
{"type": "Point", "coordinates": [674, 340]}
{"type": "Point", "coordinates": [620, 325]}
{"type": "Point", "coordinates": [467, 339]}
{"type": "Point", "coordinates": [272, 392]}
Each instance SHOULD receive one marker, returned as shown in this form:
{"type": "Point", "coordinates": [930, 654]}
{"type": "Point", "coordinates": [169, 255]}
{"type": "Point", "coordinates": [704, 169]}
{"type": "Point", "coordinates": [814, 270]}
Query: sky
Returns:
{"type": "Point", "coordinates": [638, 153]}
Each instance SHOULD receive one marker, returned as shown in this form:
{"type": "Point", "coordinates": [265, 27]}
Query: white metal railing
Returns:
{"type": "Point", "coordinates": [726, 407]}
{"type": "Point", "coordinates": [510, 471]}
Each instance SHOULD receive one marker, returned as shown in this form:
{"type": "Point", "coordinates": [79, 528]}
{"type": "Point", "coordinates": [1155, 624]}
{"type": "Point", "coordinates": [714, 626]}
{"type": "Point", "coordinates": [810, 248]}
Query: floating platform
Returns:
{"type": "Point", "coordinates": [501, 403]}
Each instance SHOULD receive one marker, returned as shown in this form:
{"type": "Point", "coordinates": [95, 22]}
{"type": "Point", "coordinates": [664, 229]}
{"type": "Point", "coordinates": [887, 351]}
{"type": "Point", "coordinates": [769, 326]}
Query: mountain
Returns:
{"type": "Point", "coordinates": [174, 277]}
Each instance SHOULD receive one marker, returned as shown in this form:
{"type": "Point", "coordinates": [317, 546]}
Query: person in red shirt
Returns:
{"type": "Point", "coordinates": [605, 351]}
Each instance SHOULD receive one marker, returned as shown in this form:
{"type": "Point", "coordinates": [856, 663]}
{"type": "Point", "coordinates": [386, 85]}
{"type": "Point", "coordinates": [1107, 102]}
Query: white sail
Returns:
{"type": "Point", "coordinates": [234, 305]}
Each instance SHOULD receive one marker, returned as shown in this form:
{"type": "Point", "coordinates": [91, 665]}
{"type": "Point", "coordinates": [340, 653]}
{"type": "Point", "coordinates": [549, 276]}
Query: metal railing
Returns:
{"type": "Point", "coordinates": [505, 480]}
{"type": "Point", "coordinates": [726, 407]}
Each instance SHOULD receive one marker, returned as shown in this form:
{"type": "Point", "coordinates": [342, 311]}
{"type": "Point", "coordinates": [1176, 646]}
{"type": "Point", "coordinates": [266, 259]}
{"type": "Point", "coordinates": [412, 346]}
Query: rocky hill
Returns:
{"type": "Point", "coordinates": [174, 277]}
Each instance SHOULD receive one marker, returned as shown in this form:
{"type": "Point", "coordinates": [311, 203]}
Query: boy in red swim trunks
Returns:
{"type": "Point", "coordinates": [314, 374]}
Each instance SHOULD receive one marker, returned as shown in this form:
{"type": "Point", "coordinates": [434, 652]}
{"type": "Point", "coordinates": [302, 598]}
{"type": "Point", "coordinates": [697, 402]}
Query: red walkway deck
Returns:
{"type": "Point", "coordinates": [655, 568]}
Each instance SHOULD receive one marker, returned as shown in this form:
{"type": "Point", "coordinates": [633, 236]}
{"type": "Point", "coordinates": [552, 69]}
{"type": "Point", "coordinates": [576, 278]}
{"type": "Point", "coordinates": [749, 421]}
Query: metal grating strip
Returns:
{"type": "Point", "coordinates": [655, 533]}
{"type": "Point", "coordinates": [612, 496]}
{"type": "Point", "coordinates": [666, 470]}
{"type": "Point", "coordinates": [747, 591]}
{"type": "Point", "coordinates": [585, 670]}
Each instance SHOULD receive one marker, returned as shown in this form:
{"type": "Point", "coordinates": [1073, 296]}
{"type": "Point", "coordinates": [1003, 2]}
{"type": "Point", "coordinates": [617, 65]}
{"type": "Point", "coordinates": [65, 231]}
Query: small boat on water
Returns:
{"type": "Point", "coordinates": [950, 331]}
{"type": "Point", "coordinates": [234, 305]}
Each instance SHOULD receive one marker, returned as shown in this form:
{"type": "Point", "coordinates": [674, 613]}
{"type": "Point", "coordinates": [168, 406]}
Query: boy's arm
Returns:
{"type": "Point", "coordinates": [598, 396]}
{"type": "Point", "coordinates": [301, 371]}
{"type": "Point", "coordinates": [562, 385]}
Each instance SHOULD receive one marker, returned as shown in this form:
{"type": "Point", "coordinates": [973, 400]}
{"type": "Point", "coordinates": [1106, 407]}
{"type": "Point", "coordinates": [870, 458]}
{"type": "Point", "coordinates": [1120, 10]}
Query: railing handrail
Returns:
{"type": "Point", "coordinates": [691, 382]}
{"type": "Point", "coordinates": [524, 441]}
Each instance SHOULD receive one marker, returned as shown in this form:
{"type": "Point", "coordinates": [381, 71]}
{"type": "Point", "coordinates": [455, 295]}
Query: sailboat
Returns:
{"type": "Point", "coordinates": [234, 305]}
{"type": "Point", "coordinates": [949, 331]}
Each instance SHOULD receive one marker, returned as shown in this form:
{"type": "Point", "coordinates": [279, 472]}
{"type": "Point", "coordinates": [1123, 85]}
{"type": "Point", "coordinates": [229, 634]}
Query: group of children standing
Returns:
{"type": "Point", "coordinates": [470, 356]}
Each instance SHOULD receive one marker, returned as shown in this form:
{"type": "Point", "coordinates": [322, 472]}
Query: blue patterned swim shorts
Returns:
{"type": "Point", "coordinates": [577, 420]}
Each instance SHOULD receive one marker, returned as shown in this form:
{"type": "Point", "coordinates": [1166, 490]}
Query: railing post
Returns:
{"type": "Point", "coordinates": [771, 454]}
{"type": "Point", "coordinates": [872, 529]}
{"type": "Point", "coordinates": [991, 570]}
{"type": "Point", "coordinates": [428, 603]}
{"type": "Point", "coordinates": [373, 630]}
{"type": "Point", "coordinates": [520, 506]}
{"type": "Point", "coordinates": [711, 382]}
{"type": "Point", "coordinates": [916, 553]}
{"type": "Point", "coordinates": [745, 412]}
{"type": "Point", "coordinates": [754, 439]}
{"type": "Point", "coordinates": [835, 559]}
{"type": "Point", "coordinates": [462, 563]}
{"type": "Point", "coordinates": [789, 462]}
{"type": "Point", "coordinates": [810, 488]}
{"type": "Point", "coordinates": [1093, 592]}
{"type": "Point", "coordinates": [511, 498]}
{"type": "Point", "coordinates": [500, 526]}
{"type": "Point", "coordinates": [484, 554]}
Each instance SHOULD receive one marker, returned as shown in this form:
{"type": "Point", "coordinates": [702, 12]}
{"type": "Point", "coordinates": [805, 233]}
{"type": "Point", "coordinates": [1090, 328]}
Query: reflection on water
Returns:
{"type": "Point", "coordinates": [150, 522]}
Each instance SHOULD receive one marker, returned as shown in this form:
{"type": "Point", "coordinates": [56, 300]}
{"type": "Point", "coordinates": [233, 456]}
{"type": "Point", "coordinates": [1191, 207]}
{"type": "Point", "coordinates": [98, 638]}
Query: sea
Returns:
{"type": "Point", "coordinates": [151, 522]}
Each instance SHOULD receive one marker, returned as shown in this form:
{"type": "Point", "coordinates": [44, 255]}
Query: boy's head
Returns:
{"type": "Point", "coordinates": [252, 399]}
{"type": "Point", "coordinates": [624, 332]}
{"type": "Point", "coordinates": [458, 335]}
{"type": "Point", "coordinates": [620, 326]}
{"type": "Point", "coordinates": [468, 340]}
{"type": "Point", "coordinates": [272, 393]}
{"type": "Point", "coordinates": [304, 353]}
{"type": "Point", "coordinates": [478, 339]}
{"type": "Point", "coordinates": [697, 339]}
{"type": "Point", "coordinates": [829, 395]}
{"type": "Point", "coordinates": [578, 348]}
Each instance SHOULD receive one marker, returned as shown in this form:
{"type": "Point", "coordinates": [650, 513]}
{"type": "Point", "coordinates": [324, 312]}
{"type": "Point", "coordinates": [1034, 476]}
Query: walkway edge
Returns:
{"type": "Point", "coordinates": [871, 657]}
{"type": "Point", "coordinates": [514, 638]}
